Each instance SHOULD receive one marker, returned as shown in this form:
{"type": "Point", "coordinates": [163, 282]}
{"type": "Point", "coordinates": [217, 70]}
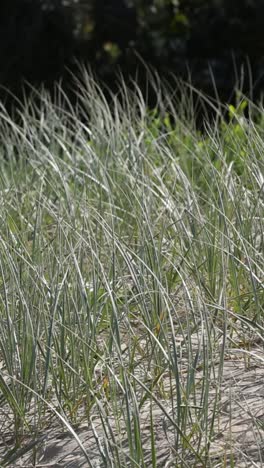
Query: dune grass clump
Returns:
{"type": "Point", "coordinates": [131, 270]}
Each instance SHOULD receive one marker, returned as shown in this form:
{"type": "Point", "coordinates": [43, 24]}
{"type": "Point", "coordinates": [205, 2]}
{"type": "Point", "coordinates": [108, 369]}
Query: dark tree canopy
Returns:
{"type": "Point", "coordinates": [35, 41]}
{"type": "Point", "coordinates": [38, 38]}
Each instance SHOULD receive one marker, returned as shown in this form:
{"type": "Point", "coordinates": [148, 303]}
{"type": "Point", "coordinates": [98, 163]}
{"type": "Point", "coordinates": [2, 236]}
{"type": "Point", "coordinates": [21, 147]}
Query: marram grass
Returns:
{"type": "Point", "coordinates": [131, 267]}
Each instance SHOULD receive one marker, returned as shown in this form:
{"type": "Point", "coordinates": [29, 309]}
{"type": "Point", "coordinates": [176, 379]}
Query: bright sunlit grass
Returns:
{"type": "Point", "coordinates": [131, 268]}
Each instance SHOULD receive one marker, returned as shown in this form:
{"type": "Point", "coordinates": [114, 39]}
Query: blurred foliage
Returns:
{"type": "Point", "coordinates": [34, 37]}
{"type": "Point", "coordinates": [36, 42]}
{"type": "Point", "coordinates": [219, 44]}
{"type": "Point", "coordinates": [163, 28]}
{"type": "Point", "coordinates": [197, 38]}
{"type": "Point", "coordinates": [38, 38]}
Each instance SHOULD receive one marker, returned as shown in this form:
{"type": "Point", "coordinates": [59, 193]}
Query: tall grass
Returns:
{"type": "Point", "coordinates": [131, 264]}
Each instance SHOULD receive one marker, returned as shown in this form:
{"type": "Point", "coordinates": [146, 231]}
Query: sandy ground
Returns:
{"type": "Point", "coordinates": [239, 428]}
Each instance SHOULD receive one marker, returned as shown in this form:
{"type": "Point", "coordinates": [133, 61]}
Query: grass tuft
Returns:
{"type": "Point", "coordinates": [131, 273]}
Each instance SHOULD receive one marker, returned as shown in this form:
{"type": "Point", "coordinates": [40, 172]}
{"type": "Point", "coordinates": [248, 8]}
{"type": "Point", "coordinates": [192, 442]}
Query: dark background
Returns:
{"type": "Point", "coordinates": [41, 39]}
